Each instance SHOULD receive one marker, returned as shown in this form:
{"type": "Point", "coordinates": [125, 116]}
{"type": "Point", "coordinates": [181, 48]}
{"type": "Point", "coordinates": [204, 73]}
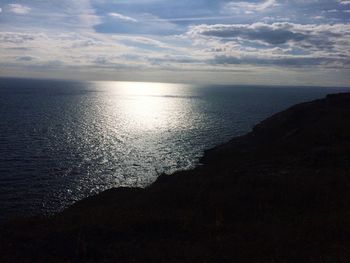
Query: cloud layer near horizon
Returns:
{"type": "Point", "coordinates": [268, 42]}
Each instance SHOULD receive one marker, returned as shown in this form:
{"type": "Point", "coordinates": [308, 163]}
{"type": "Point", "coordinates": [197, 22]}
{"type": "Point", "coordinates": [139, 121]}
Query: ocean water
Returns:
{"type": "Point", "coordinates": [61, 141]}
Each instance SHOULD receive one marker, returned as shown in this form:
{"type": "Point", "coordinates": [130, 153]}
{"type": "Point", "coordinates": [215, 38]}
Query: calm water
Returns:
{"type": "Point", "coordinates": [61, 141]}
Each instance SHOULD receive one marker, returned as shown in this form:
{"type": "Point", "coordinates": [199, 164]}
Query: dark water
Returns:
{"type": "Point", "coordinates": [61, 141]}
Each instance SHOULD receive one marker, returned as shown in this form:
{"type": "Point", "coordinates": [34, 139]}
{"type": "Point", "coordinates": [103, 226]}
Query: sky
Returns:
{"type": "Point", "coordinates": [272, 42]}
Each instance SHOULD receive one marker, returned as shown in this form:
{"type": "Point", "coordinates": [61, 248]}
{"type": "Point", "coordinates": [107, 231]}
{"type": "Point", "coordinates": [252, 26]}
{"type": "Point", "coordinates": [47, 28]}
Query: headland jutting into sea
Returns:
{"type": "Point", "coordinates": [281, 193]}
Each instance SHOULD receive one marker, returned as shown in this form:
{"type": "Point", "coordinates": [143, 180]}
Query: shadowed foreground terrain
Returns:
{"type": "Point", "coordinates": [278, 194]}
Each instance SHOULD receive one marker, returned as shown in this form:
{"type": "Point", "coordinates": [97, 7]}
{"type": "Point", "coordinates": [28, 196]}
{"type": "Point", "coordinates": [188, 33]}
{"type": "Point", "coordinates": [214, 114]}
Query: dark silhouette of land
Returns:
{"type": "Point", "coordinates": [281, 193]}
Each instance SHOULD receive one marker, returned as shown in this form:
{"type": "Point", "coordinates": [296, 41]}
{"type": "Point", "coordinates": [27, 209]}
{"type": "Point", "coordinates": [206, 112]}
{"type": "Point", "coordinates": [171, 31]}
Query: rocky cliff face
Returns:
{"type": "Point", "coordinates": [278, 194]}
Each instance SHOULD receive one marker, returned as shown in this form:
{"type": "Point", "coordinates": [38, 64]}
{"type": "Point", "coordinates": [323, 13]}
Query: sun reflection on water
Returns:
{"type": "Point", "coordinates": [145, 105]}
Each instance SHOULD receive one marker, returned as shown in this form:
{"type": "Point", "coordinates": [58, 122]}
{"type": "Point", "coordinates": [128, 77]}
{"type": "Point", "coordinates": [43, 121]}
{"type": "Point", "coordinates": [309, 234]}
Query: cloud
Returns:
{"type": "Point", "coordinates": [248, 7]}
{"type": "Point", "coordinates": [282, 44]}
{"type": "Point", "coordinates": [19, 9]}
{"type": "Point", "coordinates": [89, 51]}
{"type": "Point", "coordinates": [122, 17]}
{"type": "Point", "coordinates": [274, 34]}
{"type": "Point", "coordinates": [148, 24]}
{"type": "Point", "coordinates": [344, 2]}
{"type": "Point", "coordinates": [49, 15]}
{"type": "Point", "coordinates": [214, 36]}
{"type": "Point", "coordinates": [322, 36]}
{"type": "Point", "coordinates": [25, 58]}
{"type": "Point", "coordinates": [15, 38]}
{"type": "Point", "coordinates": [287, 61]}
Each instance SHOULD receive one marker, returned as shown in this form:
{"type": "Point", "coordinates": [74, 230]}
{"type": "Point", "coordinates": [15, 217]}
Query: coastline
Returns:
{"type": "Point", "coordinates": [280, 191]}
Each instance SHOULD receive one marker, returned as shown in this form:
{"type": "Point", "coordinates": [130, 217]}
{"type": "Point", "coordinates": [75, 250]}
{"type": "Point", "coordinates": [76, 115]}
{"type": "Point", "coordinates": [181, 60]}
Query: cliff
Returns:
{"type": "Point", "coordinates": [281, 193]}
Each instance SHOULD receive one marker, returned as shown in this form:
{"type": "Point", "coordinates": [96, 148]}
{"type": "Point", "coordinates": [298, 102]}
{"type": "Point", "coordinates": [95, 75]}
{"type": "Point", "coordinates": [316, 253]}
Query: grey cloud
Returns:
{"type": "Point", "coordinates": [101, 61]}
{"type": "Point", "coordinates": [82, 43]}
{"type": "Point", "coordinates": [25, 58]}
{"type": "Point", "coordinates": [15, 38]}
{"type": "Point", "coordinates": [18, 48]}
{"type": "Point", "coordinates": [282, 61]}
{"type": "Point", "coordinates": [274, 36]}
{"type": "Point", "coordinates": [277, 44]}
{"type": "Point", "coordinates": [171, 60]}
{"type": "Point", "coordinates": [322, 36]}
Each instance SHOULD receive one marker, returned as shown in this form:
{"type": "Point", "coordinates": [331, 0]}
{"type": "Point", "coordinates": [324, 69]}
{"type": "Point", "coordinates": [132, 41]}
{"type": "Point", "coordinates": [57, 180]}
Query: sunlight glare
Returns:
{"type": "Point", "coordinates": [145, 105]}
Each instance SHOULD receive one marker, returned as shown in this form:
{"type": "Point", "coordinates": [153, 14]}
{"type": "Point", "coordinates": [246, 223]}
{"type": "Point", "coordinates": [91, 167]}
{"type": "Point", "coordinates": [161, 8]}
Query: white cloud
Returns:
{"type": "Point", "coordinates": [122, 17]}
{"type": "Point", "coordinates": [19, 9]}
{"type": "Point", "coordinates": [59, 15]}
{"type": "Point", "coordinates": [249, 8]}
{"type": "Point", "coordinates": [344, 2]}
{"type": "Point", "coordinates": [266, 4]}
{"type": "Point", "coordinates": [88, 51]}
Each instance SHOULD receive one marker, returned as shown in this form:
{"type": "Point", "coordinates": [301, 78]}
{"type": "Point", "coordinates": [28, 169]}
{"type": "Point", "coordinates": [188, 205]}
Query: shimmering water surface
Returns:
{"type": "Point", "coordinates": [61, 141]}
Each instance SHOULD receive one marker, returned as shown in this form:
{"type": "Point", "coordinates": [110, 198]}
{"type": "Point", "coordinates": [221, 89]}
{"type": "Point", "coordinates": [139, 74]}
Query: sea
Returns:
{"type": "Point", "coordinates": [61, 141]}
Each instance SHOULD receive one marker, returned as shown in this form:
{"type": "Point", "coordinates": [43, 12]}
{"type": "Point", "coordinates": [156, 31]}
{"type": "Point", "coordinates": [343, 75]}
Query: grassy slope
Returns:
{"type": "Point", "coordinates": [278, 194]}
